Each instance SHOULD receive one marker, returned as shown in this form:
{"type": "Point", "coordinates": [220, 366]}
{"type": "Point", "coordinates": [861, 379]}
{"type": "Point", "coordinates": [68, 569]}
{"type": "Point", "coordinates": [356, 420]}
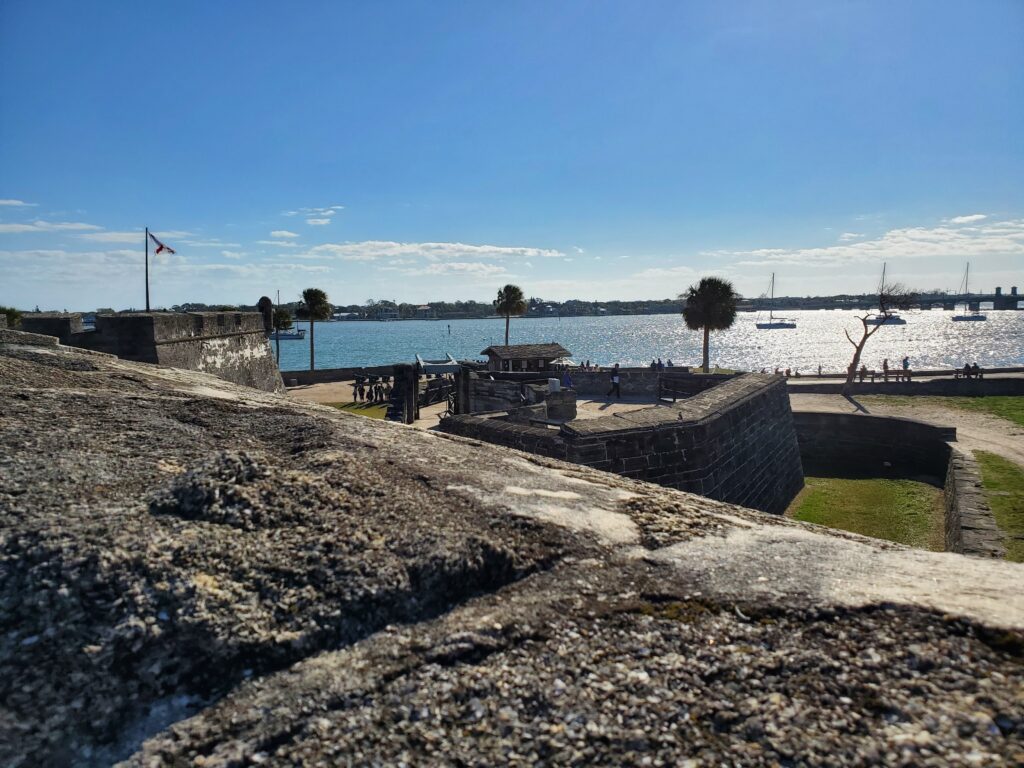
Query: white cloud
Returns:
{"type": "Point", "coordinates": [283, 233]}
{"type": "Point", "coordinates": [847, 236]}
{"type": "Point", "coordinates": [1004, 238]}
{"type": "Point", "coordinates": [232, 254]}
{"type": "Point", "coordinates": [47, 226]}
{"type": "Point", "coordinates": [318, 222]}
{"type": "Point", "coordinates": [371, 250]}
{"type": "Point", "coordinates": [214, 243]}
{"type": "Point", "coordinates": [327, 210]}
{"type": "Point", "coordinates": [470, 269]}
{"type": "Point", "coordinates": [578, 249]}
{"type": "Point", "coordinates": [114, 237]}
{"type": "Point", "coordinates": [278, 243]}
{"type": "Point", "coordinates": [970, 219]}
{"type": "Point", "coordinates": [139, 237]}
{"type": "Point", "coordinates": [18, 203]}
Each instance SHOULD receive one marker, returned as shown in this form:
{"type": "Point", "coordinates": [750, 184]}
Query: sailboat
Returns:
{"type": "Point", "coordinates": [881, 319]}
{"type": "Point", "coordinates": [772, 322]}
{"type": "Point", "coordinates": [969, 314]}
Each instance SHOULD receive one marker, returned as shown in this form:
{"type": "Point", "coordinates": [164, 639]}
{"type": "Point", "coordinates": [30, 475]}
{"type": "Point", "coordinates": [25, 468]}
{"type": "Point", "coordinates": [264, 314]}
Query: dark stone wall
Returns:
{"type": "Point", "coordinates": [63, 325]}
{"type": "Point", "coordinates": [231, 345]}
{"type": "Point", "coordinates": [497, 429]}
{"type": "Point", "coordinates": [861, 445]}
{"type": "Point", "coordinates": [970, 527]}
{"type": "Point", "coordinates": [734, 443]}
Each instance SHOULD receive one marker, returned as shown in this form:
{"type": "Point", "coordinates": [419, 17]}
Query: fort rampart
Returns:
{"type": "Point", "coordinates": [232, 345]}
{"type": "Point", "coordinates": [733, 443]}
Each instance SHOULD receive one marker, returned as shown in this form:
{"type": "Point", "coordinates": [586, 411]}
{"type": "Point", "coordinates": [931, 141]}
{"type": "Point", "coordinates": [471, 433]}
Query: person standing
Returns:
{"type": "Point", "coordinates": [885, 369]}
{"type": "Point", "coordinates": [615, 383]}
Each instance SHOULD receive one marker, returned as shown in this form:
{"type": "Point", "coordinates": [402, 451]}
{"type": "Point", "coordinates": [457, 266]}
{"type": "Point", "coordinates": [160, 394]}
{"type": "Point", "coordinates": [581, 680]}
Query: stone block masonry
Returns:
{"type": "Point", "coordinates": [734, 443]}
{"type": "Point", "coordinates": [231, 345]}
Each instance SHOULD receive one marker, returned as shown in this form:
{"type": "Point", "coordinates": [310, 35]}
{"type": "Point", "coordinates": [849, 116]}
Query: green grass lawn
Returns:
{"type": "Point", "coordinates": [1009, 407]}
{"type": "Point", "coordinates": [904, 511]}
{"type": "Point", "coordinates": [373, 410]}
{"type": "Point", "coordinates": [1004, 490]}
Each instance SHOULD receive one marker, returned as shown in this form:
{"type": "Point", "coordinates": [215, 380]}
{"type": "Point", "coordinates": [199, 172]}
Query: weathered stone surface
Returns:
{"type": "Point", "coordinates": [316, 588]}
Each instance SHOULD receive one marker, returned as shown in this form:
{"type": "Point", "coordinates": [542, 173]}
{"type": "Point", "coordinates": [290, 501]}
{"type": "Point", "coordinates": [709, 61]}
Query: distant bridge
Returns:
{"type": "Point", "coordinates": [1011, 300]}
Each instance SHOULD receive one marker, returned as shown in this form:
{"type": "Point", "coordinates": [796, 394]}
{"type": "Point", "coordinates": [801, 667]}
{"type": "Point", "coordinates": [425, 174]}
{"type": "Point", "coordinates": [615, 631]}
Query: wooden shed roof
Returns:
{"type": "Point", "coordinates": [527, 352]}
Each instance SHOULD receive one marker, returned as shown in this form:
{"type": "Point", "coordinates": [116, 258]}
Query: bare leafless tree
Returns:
{"type": "Point", "coordinates": [892, 297]}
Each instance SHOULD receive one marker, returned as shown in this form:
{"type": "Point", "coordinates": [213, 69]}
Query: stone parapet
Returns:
{"type": "Point", "coordinates": [970, 527]}
{"type": "Point", "coordinates": [733, 443]}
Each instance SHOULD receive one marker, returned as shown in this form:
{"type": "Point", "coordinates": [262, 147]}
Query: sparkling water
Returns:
{"type": "Point", "coordinates": [930, 338]}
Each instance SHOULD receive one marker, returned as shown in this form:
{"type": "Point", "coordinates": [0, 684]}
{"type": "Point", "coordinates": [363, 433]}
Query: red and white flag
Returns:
{"type": "Point", "coordinates": [160, 247]}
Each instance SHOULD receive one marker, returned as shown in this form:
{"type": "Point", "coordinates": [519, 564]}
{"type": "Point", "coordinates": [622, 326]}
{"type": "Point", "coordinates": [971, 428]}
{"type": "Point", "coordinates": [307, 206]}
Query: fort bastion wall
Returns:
{"type": "Point", "coordinates": [231, 345]}
{"type": "Point", "coordinates": [733, 443]}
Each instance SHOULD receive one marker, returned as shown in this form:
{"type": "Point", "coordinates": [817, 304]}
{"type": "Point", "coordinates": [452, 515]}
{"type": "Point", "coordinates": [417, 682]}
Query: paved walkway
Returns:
{"type": "Point", "coordinates": [328, 392]}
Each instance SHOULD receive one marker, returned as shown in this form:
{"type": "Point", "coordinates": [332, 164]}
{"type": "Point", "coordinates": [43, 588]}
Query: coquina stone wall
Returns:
{"type": "Point", "coordinates": [862, 445]}
{"type": "Point", "coordinates": [232, 345]}
{"type": "Point", "coordinates": [733, 443]}
{"type": "Point", "coordinates": [970, 527]}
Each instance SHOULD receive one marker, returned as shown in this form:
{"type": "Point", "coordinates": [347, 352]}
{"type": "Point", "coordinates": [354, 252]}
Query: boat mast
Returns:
{"type": "Point", "coordinates": [771, 301]}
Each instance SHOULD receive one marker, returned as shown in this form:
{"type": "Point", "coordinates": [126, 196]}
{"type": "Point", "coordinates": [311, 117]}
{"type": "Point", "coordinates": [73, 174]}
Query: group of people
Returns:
{"type": "Point", "coordinates": [372, 390]}
{"type": "Point", "coordinates": [971, 371]}
{"type": "Point", "coordinates": [657, 365]}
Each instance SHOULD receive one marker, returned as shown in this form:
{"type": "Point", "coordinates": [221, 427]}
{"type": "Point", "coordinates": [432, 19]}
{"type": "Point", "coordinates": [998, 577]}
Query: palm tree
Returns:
{"type": "Point", "coordinates": [510, 302]}
{"type": "Point", "coordinates": [710, 305]}
{"type": "Point", "coordinates": [316, 307]}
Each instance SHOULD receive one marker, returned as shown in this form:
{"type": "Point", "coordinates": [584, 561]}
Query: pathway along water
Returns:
{"type": "Point", "coordinates": [929, 338]}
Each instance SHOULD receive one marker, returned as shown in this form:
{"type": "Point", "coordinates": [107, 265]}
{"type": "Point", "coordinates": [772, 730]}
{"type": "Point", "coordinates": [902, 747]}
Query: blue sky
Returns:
{"type": "Point", "coordinates": [437, 150]}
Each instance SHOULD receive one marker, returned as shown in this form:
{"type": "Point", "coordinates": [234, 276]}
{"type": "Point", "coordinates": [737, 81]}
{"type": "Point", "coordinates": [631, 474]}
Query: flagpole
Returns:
{"type": "Point", "coordinates": [147, 269]}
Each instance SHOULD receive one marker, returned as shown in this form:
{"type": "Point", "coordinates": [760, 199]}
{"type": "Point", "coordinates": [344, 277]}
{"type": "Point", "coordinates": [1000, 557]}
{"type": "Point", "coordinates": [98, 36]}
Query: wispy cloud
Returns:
{"type": "Point", "coordinates": [371, 250]}
{"type": "Point", "coordinates": [315, 216]}
{"type": "Point", "coordinates": [848, 236]}
{"type": "Point", "coordinates": [138, 236]}
{"type": "Point", "coordinates": [1004, 238]}
{"type": "Point", "coordinates": [578, 249]}
{"type": "Point", "coordinates": [232, 254]}
{"type": "Point", "coordinates": [471, 269]}
{"type": "Point", "coordinates": [47, 226]}
{"type": "Point", "coordinates": [328, 210]}
{"type": "Point", "coordinates": [278, 243]}
{"type": "Point", "coordinates": [17, 203]}
{"type": "Point", "coordinates": [210, 243]}
{"type": "Point", "coordinates": [969, 219]}
{"type": "Point", "coordinates": [279, 234]}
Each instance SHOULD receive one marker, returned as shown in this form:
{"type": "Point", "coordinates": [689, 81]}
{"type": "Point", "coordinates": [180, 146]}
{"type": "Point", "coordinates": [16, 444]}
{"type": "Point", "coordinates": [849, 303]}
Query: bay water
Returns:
{"type": "Point", "coordinates": [930, 338]}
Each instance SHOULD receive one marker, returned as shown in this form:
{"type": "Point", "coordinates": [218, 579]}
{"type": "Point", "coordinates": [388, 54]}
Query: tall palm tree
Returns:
{"type": "Point", "coordinates": [510, 302]}
{"type": "Point", "coordinates": [710, 305]}
{"type": "Point", "coordinates": [316, 307]}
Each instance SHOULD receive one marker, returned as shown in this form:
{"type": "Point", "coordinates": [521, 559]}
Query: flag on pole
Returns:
{"type": "Point", "coordinates": [160, 247]}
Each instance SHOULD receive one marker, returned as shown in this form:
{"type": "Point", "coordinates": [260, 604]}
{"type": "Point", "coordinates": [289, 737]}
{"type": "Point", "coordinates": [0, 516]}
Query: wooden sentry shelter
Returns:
{"type": "Point", "coordinates": [524, 357]}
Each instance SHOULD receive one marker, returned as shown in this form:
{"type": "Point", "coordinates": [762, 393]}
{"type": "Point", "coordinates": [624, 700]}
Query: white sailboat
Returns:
{"type": "Point", "coordinates": [772, 322]}
{"type": "Point", "coordinates": [892, 318]}
{"type": "Point", "coordinates": [969, 314]}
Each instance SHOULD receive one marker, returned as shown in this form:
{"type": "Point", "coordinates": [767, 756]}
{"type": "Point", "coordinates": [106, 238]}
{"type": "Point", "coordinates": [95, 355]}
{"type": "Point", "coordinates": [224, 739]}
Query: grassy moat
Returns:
{"type": "Point", "coordinates": [905, 511]}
